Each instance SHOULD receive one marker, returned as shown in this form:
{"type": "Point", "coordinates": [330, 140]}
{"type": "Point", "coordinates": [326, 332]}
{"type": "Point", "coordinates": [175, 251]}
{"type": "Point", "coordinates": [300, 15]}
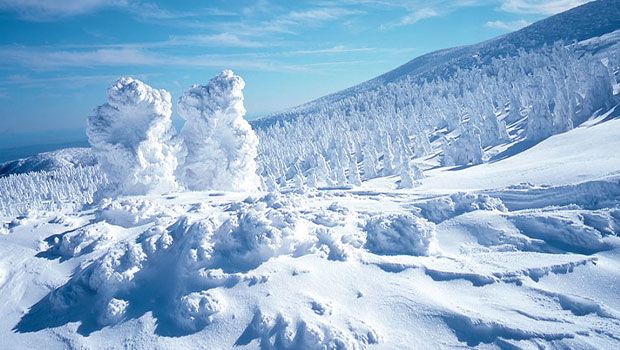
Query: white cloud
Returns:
{"type": "Point", "coordinates": [413, 17]}
{"type": "Point", "coordinates": [53, 9]}
{"type": "Point", "coordinates": [544, 7]}
{"type": "Point", "coordinates": [419, 15]}
{"type": "Point", "coordinates": [218, 40]}
{"type": "Point", "coordinates": [509, 25]}
{"type": "Point", "coordinates": [49, 60]}
{"type": "Point", "coordinates": [290, 21]}
{"type": "Point", "coordinates": [332, 50]}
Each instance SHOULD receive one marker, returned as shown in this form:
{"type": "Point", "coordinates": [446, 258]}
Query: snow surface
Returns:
{"type": "Point", "coordinates": [463, 260]}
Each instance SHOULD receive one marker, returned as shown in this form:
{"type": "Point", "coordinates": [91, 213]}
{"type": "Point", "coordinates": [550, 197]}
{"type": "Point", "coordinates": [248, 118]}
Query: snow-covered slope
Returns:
{"type": "Point", "coordinates": [63, 158]}
{"type": "Point", "coordinates": [590, 20]}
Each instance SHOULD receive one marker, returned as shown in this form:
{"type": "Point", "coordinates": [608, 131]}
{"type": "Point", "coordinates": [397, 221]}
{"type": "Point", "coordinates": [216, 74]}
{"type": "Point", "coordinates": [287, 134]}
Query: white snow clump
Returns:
{"type": "Point", "coordinates": [401, 234]}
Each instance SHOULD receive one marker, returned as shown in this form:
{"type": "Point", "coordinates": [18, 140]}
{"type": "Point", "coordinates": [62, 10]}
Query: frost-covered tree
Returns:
{"type": "Point", "coordinates": [407, 175]}
{"type": "Point", "coordinates": [65, 188]}
{"type": "Point", "coordinates": [466, 149]}
{"type": "Point", "coordinates": [220, 147]}
{"type": "Point", "coordinates": [370, 163]}
{"type": "Point", "coordinates": [546, 91]}
{"type": "Point", "coordinates": [132, 137]}
{"type": "Point", "coordinates": [354, 173]}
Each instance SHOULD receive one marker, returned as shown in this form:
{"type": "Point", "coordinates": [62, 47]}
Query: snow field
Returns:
{"type": "Point", "coordinates": [289, 271]}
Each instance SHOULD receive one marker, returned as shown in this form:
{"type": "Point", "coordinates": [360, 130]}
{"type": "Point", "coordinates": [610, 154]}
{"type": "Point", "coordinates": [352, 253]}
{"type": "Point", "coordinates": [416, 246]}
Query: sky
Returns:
{"type": "Point", "coordinates": [58, 57]}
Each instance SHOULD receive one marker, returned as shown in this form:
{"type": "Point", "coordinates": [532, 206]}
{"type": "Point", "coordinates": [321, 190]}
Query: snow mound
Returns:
{"type": "Point", "coordinates": [445, 207]}
{"type": "Point", "coordinates": [181, 262]}
{"type": "Point", "coordinates": [130, 212]}
{"type": "Point", "coordinates": [114, 312]}
{"type": "Point", "coordinates": [401, 234]}
{"type": "Point", "coordinates": [81, 240]}
{"type": "Point", "coordinates": [564, 230]}
{"type": "Point", "coordinates": [195, 310]}
{"type": "Point", "coordinates": [132, 137]}
{"type": "Point", "coordinates": [257, 233]}
{"type": "Point", "coordinates": [220, 146]}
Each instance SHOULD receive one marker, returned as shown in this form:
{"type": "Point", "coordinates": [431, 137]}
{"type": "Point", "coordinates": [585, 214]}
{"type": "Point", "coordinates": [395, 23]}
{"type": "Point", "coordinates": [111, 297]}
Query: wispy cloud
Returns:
{"type": "Point", "coordinates": [294, 20]}
{"type": "Point", "coordinates": [53, 10]}
{"type": "Point", "coordinates": [332, 50]}
{"type": "Point", "coordinates": [543, 7]}
{"type": "Point", "coordinates": [40, 10]}
{"type": "Point", "coordinates": [416, 16]}
{"type": "Point", "coordinates": [507, 25]}
{"type": "Point", "coordinates": [125, 57]}
{"type": "Point", "coordinates": [52, 60]}
{"type": "Point", "coordinates": [73, 81]}
{"type": "Point", "coordinates": [217, 40]}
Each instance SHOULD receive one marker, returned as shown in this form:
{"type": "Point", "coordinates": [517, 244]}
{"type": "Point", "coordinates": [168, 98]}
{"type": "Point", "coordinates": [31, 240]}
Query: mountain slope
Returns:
{"type": "Point", "coordinates": [62, 158]}
{"type": "Point", "coordinates": [590, 20]}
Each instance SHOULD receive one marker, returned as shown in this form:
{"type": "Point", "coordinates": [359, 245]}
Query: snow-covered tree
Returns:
{"type": "Point", "coordinates": [549, 90]}
{"type": "Point", "coordinates": [407, 176]}
{"type": "Point", "coordinates": [354, 173]}
{"type": "Point", "coordinates": [220, 147]}
{"type": "Point", "coordinates": [132, 137]}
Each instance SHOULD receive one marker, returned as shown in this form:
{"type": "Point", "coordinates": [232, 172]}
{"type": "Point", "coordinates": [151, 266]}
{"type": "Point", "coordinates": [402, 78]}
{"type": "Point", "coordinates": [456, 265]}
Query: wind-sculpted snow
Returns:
{"type": "Point", "coordinates": [183, 262]}
{"type": "Point", "coordinates": [444, 207]}
{"type": "Point", "coordinates": [132, 137]}
{"type": "Point", "coordinates": [220, 146]}
{"type": "Point", "coordinates": [319, 268]}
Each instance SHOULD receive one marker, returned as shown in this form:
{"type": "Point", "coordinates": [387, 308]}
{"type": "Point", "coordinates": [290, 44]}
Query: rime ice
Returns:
{"type": "Point", "coordinates": [131, 136]}
{"type": "Point", "coordinates": [220, 146]}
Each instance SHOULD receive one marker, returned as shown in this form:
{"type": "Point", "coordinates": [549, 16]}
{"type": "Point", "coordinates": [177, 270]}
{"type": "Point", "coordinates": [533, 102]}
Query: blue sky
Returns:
{"type": "Point", "coordinates": [58, 57]}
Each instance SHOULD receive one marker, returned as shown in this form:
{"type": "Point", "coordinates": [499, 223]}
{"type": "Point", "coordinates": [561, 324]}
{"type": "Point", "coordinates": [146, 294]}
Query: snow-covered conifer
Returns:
{"type": "Point", "coordinates": [132, 137]}
{"type": "Point", "coordinates": [220, 147]}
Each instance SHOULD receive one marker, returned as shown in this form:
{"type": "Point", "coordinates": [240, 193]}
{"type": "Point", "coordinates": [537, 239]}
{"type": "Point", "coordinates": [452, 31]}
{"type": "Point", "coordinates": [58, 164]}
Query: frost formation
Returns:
{"type": "Point", "coordinates": [132, 137]}
{"type": "Point", "coordinates": [220, 146]}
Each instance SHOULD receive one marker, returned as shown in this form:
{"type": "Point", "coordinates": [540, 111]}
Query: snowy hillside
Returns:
{"type": "Point", "coordinates": [469, 199]}
{"type": "Point", "coordinates": [593, 19]}
{"type": "Point", "coordinates": [63, 158]}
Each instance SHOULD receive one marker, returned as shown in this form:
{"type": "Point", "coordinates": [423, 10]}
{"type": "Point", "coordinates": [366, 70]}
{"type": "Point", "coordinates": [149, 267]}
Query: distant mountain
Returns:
{"type": "Point", "coordinates": [578, 24]}
{"type": "Point", "coordinates": [67, 157]}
